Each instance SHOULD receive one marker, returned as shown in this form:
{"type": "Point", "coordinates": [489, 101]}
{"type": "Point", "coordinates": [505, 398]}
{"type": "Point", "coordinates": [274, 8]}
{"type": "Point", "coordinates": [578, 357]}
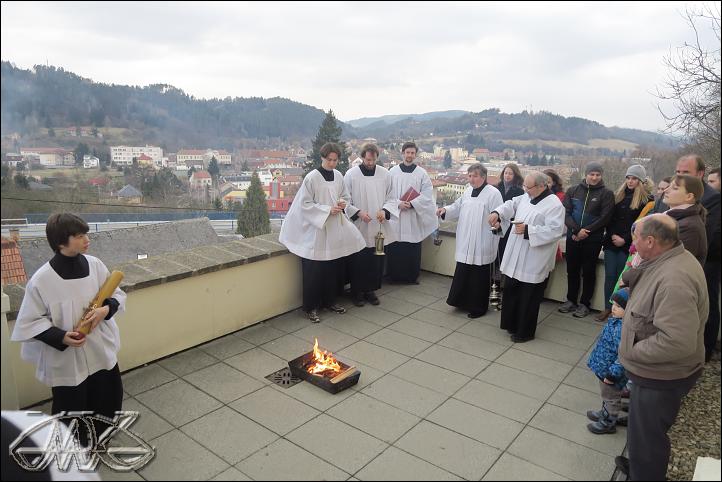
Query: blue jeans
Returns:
{"type": "Point", "coordinates": [614, 260]}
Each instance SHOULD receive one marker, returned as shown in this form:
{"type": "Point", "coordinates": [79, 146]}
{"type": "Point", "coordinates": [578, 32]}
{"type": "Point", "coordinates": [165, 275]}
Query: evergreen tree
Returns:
{"type": "Point", "coordinates": [217, 204]}
{"type": "Point", "coordinates": [80, 151]}
{"type": "Point", "coordinates": [447, 160]}
{"type": "Point", "coordinates": [22, 182]}
{"type": "Point", "coordinates": [253, 217]}
{"type": "Point", "coordinates": [328, 132]}
{"type": "Point", "coordinates": [214, 170]}
{"type": "Point", "coordinates": [245, 167]}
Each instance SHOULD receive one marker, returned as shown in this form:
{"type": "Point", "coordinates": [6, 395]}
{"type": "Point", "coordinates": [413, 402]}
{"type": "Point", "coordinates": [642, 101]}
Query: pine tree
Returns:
{"type": "Point", "coordinates": [328, 132]}
{"type": "Point", "coordinates": [253, 217]}
{"type": "Point", "coordinates": [214, 170]}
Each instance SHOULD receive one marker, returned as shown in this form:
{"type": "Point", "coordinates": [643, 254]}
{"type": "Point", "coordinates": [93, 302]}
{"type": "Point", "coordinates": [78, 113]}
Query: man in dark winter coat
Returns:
{"type": "Point", "coordinates": [589, 208]}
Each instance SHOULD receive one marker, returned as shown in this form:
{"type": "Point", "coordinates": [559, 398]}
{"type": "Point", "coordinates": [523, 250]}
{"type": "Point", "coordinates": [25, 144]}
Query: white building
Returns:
{"type": "Point", "coordinates": [123, 155]}
{"type": "Point", "coordinates": [49, 156]}
{"type": "Point", "coordinates": [200, 179]}
{"type": "Point", "coordinates": [439, 150]}
{"type": "Point", "coordinates": [90, 161]}
{"type": "Point", "coordinates": [200, 157]}
{"type": "Point", "coordinates": [458, 153]}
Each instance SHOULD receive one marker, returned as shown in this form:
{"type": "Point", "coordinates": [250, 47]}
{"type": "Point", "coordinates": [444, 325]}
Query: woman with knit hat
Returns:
{"type": "Point", "coordinates": [629, 201]}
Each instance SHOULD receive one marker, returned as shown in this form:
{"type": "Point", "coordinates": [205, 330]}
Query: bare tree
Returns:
{"type": "Point", "coordinates": [693, 85]}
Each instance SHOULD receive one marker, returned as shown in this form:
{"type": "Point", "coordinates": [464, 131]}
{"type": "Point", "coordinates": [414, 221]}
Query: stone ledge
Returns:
{"type": "Point", "coordinates": [169, 267]}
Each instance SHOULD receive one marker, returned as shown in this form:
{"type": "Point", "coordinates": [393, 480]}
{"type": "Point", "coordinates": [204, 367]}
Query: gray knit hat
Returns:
{"type": "Point", "coordinates": [593, 167]}
{"type": "Point", "coordinates": [637, 171]}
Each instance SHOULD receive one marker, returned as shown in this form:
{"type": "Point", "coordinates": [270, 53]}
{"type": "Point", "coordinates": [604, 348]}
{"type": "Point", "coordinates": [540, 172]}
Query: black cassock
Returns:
{"type": "Point", "coordinates": [521, 306]}
{"type": "Point", "coordinates": [366, 271]}
{"type": "Point", "coordinates": [470, 288]}
{"type": "Point", "coordinates": [322, 281]}
{"type": "Point", "coordinates": [403, 263]}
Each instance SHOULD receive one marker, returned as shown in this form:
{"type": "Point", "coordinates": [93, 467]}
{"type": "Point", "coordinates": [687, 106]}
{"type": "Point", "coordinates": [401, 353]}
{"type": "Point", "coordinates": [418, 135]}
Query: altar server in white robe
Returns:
{"type": "Point", "coordinates": [82, 370]}
{"type": "Point", "coordinates": [318, 231]}
{"type": "Point", "coordinates": [417, 218]}
{"type": "Point", "coordinates": [538, 224]}
{"type": "Point", "coordinates": [372, 205]}
{"type": "Point", "coordinates": [476, 244]}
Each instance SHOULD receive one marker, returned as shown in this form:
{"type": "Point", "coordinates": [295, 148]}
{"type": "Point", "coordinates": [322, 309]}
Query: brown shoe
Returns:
{"type": "Point", "coordinates": [603, 315]}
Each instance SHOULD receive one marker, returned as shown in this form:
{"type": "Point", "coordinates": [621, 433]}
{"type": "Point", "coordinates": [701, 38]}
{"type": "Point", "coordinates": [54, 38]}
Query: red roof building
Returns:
{"type": "Point", "coordinates": [13, 270]}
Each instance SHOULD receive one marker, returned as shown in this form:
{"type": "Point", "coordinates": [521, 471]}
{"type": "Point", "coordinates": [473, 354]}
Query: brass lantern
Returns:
{"type": "Point", "coordinates": [379, 244]}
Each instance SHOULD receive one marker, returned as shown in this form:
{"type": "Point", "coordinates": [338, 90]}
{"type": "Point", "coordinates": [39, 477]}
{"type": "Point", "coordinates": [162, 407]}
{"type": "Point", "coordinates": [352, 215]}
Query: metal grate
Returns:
{"type": "Point", "coordinates": [283, 378]}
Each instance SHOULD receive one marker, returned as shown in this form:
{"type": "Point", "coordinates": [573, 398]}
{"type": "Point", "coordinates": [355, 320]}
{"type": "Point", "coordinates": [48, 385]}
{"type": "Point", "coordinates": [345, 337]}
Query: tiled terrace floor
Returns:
{"type": "Point", "coordinates": [440, 397]}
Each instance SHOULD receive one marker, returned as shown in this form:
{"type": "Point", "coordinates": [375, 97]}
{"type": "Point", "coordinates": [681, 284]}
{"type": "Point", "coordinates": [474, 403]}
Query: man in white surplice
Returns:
{"type": "Point", "coordinates": [476, 244]}
{"type": "Point", "coordinates": [417, 218]}
{"type": "Point", "coordinates": [372, 205]}
{"type": "Point", "coordinates": [318, 231]}
{"type": "Point", "coordinates": [538, 218]}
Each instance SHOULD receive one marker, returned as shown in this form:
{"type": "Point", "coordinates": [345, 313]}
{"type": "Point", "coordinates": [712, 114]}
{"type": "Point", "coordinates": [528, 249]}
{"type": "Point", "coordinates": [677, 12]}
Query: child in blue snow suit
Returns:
{"type": "Point", "coordinates": [604, 363]}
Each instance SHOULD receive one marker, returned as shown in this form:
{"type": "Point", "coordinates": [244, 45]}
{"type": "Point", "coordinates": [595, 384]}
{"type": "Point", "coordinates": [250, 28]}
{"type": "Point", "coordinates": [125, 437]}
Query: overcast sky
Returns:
{"type": "Point", "coordinates": [593, 60]}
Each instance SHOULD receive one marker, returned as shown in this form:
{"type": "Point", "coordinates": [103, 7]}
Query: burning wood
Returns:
{"type": "Point", "coordinates": [323, 363]}
{"type": "Point", "coordinates": [323, 370]}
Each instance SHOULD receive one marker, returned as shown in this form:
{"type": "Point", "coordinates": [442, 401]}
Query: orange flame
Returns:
{"type": "Point", "coordinates": [323, 361]}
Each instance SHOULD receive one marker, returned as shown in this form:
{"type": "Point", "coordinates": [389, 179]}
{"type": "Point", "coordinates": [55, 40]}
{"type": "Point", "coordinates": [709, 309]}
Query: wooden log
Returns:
{"type": "Point", "coordinates": [342, 376]}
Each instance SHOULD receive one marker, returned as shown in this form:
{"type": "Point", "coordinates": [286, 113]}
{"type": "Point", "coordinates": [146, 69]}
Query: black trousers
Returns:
{"type": "Point", "coordinates": [711, 329]}
{"type": "Point", "coordinates": [100, 393]}
{"type": "Point", "coordinates": [582, 258]}
{"type": "Point", "coordinates": [470, 288]}
{"type": "Point", "coordinates": [366, 271]}
{"type": "Point", "coordinates": [322, 281]}
{"type": "Point", "coordinates": [520, 310]}
{"type": "Point", "coordinates": [652, 412]}
{"type": "Point", "coordinates": [403, 263]}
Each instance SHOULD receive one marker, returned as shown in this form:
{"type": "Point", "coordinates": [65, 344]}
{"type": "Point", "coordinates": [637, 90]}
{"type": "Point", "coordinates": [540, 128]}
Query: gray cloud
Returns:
{"type": "Point", "coordinates": [596, 61]}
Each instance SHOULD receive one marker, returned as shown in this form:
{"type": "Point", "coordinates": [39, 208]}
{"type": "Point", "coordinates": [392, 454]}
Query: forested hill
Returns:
{"type": "Point", "coordinates": [34, 101]}
{"type": "Point", "coordinates": [46, 97]}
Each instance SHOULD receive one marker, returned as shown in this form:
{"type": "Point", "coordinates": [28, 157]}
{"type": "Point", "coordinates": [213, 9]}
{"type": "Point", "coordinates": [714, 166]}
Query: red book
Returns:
{"type": "Point", "coordinates": [410, 195]}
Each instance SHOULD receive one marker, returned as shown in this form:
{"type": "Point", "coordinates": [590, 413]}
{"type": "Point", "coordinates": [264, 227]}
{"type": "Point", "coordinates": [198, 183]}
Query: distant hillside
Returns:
{"type": "Point", "coordinates": [36, 102]}
{"type": "Point", "coordinates": [495, 127]}
{"type": "Point", "coordinates": [390, 119]}
{"type": "Point", "coordinates": [46, 97]}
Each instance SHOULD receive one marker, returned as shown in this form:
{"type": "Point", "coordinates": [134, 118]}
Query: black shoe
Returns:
{"type": "Point", "coordinates": [313, 316]}
{"type": "Point", "coordinates": [358, 300]}
{"type": "Point", "coordinates": [371, 298]}
{"type": "Point", "coordinates": [337, 309]}
{"type": "Point", "coordinates": [521, 339]}
{"type": "Point", "coordinates": [476, 314]}
{"type": "Point", "coordinates": [622, 464]}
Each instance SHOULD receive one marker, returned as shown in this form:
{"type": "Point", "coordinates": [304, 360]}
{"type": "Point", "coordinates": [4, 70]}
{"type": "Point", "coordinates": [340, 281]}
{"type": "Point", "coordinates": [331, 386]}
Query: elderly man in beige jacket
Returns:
{"type": "Point", "coordinates": [662, 345]}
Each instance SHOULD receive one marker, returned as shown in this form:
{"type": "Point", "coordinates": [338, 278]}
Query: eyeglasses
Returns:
{"type": "Point", "coordinates": [526, 188]}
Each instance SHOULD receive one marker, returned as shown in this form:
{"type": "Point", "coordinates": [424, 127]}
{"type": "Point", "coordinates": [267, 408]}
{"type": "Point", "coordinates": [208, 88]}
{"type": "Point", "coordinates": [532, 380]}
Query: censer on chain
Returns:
{"type": "Point", "coordinates": [379, 244]}
{"type": "Point", "coordinates": [494, 293]}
